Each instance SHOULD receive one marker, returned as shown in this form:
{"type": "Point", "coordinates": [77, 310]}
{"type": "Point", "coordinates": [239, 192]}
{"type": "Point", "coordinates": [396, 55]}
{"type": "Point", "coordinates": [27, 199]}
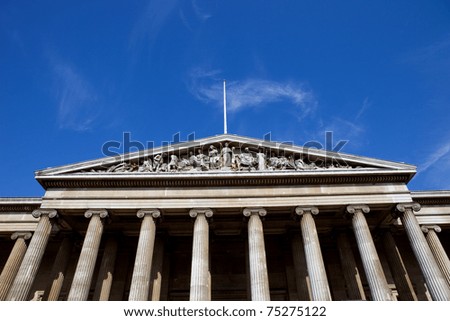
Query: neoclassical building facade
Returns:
{"type": "Point", "coordinates": [227, 218]}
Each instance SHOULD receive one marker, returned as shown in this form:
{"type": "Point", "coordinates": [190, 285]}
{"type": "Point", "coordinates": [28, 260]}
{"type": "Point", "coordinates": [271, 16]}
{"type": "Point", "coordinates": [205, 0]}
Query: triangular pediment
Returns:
{"type": "Point", "coordinates": [224, 154]}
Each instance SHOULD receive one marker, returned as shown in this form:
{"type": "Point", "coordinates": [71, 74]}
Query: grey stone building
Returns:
{"type": "Point", "coordinates": [227, 218]}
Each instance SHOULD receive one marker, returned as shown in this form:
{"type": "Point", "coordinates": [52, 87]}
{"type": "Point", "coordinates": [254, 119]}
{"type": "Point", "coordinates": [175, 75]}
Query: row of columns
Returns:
{"type": "Point", "coordinates": [434, 278]}
{"type": "Point", "coordinates": [20, 270]}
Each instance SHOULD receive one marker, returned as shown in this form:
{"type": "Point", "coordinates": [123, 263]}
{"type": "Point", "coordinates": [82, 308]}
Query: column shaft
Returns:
{"type": "Point", "coordinates": [320, 291]}
{"type": "Point", "coordinates": [435, 280]}
{"type": "Point", "coordinates": [30, 264]}
{"type": "Point", "coordinates": [403, 283]}
{"type": "Point", "coordinates": [379, 287]}
{"type": "Point", "coordinates": [200, 289]}
{"type": "Point", "coordinates": [355, 289]}
{"type": "Point", "coordinates": [58, 270]}
{"type": "Point", "coordinates": [259, 278]}
{"type": "Point", "coordinates": [81, 284]}
{"type": "Point", "coordinates": [438, 250]}
{"type": "Point", "coordinates": [106, 272]}
{"type": "Point", "coordinates": [140, 282]}
{"type": "Point", "coordinates": [157, 270]}
{"type": "Point", "coordinates": [12, 265]}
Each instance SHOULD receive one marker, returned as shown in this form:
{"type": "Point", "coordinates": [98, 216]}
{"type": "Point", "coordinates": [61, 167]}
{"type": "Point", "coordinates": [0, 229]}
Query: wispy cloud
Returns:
{"type": "Point", "coordinates": [365, 105]}
{"type": "Point", "coordinates": [149, 24]}
{"type": "Point", "coordinates": [433, 58]}
{"type": "Point", "coordinates": [77, 100]}
{"type": "Point", "coordinates": [435, 170]}
{"type": "Point", "coordinates": [193, 15]}
{"type": "Point", "coordinates": [344, 127]}
{"type": "Point", "coordinates": [440, 153]}
{"type": "Point", "coordinates": [200, 12]}
{"type": "Point", "coordinates": [342, 130]}
{"type": "Point", "coordinates": [206, 85]}
{"type": "Point", "coordinates": [350, 129]}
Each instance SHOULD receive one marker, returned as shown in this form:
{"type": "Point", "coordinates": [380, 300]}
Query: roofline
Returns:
{"type": "Point", "coordinates": [431, 193]}
{"type": "Point", "coordinates": [22, 200]}
{"type": "Point", "coordinates": [110, 160]}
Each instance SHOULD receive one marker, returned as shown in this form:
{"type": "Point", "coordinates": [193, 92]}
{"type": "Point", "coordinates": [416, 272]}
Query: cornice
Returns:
{"type": "Point", "coordinates": [19, 204]}
{"type": "Point", "coordinates": [139, 180]}
{"type": "Point", "coordinates": [431, 197]}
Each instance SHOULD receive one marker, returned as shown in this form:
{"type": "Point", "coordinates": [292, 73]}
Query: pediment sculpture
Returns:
{"type": "Point", "coordinates": [223, 158]}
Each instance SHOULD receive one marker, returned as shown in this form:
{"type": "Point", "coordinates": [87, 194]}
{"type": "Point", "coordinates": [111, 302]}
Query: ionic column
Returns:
{"type": "Point", "coordinates": [320, 291]}
{"type": "Point", "coordinates": [259, 279]}
{"type": "Point", "coordinates": [33, 257]}
{"type": "Point", "coordinates": [157, 267]}
{"type": "Point", "coordinates": [140, 282]}
{"type": "Point", "coordinates": [401, 278]}
{"type": "Point", "coordinates": [301, 272]}
{"type": "Point", "coordinates": [371, 262]}
{"type": "Point", "coordinates": [12, 265]}
{"type": "Point", "coordinates": [437, 249]}
{"type": "Point", "coordinates": [105, 274]}
{"type": "Point", "coordinates": [58, 270]}
{"type": "Point", "coordinates": [435, 280]}
{"type": "Point", "coordinates": [81, 284]}
{"type": "Point", "coordinates": [200, 288]}
{"type": "Point", "coordinates": [352, 278]}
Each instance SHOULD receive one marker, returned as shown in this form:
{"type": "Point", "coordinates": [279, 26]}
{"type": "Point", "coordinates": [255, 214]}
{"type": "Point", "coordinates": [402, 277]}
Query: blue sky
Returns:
{"type": "Point", "coordinates": [76, 74]}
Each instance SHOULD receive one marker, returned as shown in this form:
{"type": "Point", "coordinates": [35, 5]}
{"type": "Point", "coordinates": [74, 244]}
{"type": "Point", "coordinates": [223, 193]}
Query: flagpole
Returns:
{"type": "Point", "coordinates": [224, 108]}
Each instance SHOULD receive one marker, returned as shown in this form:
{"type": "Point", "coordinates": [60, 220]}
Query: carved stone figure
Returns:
{"type": "Point", "coordinates": [146, 166]}
{"type": "Point", "coordinates": [120, 168]}
{"type": "Point", "coordinates": [164, 167]}
{"type": "Point", "coordinates": [282, 162]}
{"type": "Point", "coordinates": [214, 159]}
{"type": "Point", "coordinates": [313, 165]}
{"type": "Point", "coordinates": [192, 160]}
{"type": "Point", "coordinates": [273, 162]}
{"type": "Point", "coordinates": [157, 162]}
{"type": "Point", "coordinates": [226, 154]}
{"type": "Point", "coordinates": [246, 160]}
{"type": "Point", "coordinates": [173, 164]}
{"type": "Point", "coordinates": [290, 162]}
{"type": "Point", "coordinates": [202, 161]}
{"type": "Point", "coordinates": [234, 160]}
{"type": "Point", "coordinates": [300, 164]}
{"type": "Point", "coordinates": [134, 167]}
{"type": "Point", "coordinates": [261, 160]}
{"type": "Point", "coordinates": [184, 164]}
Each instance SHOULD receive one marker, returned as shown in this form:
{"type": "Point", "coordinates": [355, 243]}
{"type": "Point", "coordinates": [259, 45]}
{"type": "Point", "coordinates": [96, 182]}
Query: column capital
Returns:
{"type": "Point", "coordinates": [41, 211]}
{"type": "Point", "coordinates": [427, 228]}
{"type": "Point", "coordinates": [305, 210]}
{"type": "Point", "coordinates": [403, 207]}
{"type": "Point", "coordinates": [248, 211]}
{"type": "Point", "coordinates": [352, 209]}
{"type": "Point", "coordinates": [24, 235]}
{"type": "Point", "coordinates": [100, 212]}
{"type": "Point", "coordinates": [154, 212]}
{"type": "Point", "coordinates": [195, 211]}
